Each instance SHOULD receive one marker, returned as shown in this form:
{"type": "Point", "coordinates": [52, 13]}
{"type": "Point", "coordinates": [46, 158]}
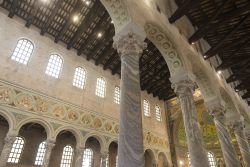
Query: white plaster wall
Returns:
{"type": "Point", "coordinates": [33, 75]}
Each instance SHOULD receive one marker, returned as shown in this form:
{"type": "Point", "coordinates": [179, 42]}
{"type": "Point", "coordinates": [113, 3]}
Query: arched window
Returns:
{"type": "Point", "coordinates": [146, 108]}
{"type": "Point", "coordinates": [79, 77]}
{"type": "Point", "coordinates": [22, 51]}
{"type": "Point", "coordinates": [158, 113]}
{"type": "Point", "coordinates": [100, 87]}
{"type": "Point", "coordinates": [87, 158]}
{"type": "Point", "coordinates": [211, 159]}
{"type": "Point", "coordinates": [67, 156]}
{"type": "Point", "coordinates": [116, 161]}
{"type": "Point", "coordinates": [188, 157]}
{"type": "Point", "coordinates": [117, 95]}
{"type": "Point", "coordinates": [40, 154]}
{"type": "Point", "coordinates": [16, 150]}
{"type": "Point", "coordinates": [107, 161]}
{"type": "Point", "coordinates": [54, 66]}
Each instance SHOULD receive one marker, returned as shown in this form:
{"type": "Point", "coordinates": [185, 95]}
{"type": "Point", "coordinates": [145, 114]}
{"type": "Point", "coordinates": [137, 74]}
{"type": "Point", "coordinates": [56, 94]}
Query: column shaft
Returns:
{"type": "Point", "coordinates": [79, 151]}
{"type": "Point", "coordinates": [198, 155]}
{"type": "Point", "coordinates": [130, 150]}
{"type": "Point", "coordinates": [228, 151]}
{"type": "Point", "coordinates": [8, 142]}
{"type": "Point", "coordinates": [242, 142]}
{"type": "Point", "coordinates": [49, 145]}
{"type": "Point", "coordinates": [104, 160]}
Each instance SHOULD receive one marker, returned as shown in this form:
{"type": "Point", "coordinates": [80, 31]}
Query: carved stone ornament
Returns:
{"type": "Point", "coordinates": [130, 44]}
{"type": "Point", "coordinates": [183, 88]}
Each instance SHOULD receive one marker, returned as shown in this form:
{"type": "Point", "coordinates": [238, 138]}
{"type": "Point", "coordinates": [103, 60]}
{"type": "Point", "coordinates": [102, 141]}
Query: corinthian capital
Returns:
{"type": "Point", "coordinates": [216, 107]}
{"type": "Point", "coordinates": [183, 87]}
{"type": "Point", "coordinates": [130, 43]}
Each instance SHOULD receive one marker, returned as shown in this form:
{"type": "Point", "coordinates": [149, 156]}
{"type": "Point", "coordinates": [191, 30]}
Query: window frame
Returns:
{"type": "Point", "coordinates": [62, 162]}
{"type": "Point", "coordinates": [117, 98]}
{"type": "Point", "coordinates": [9, 160]}
{"type": "Point", "coordinates": [15, 47]}
{"type": "Point", "coordinates": [89, 156]}
{"type": "Point", "coordinates": [213, 162]}
{"type": "Point", "coordinates": [158, 115]}
{"type": "Point", "coordinates": [40, 151]}
{"type": "Point", "coordinates": [148, 113]}
{"type": "Point", "coordinates": [97, 92]}
{"type": "Point", "coordinates": [84, 79]}
{"type": "Point", "coordinates": [61, 68]}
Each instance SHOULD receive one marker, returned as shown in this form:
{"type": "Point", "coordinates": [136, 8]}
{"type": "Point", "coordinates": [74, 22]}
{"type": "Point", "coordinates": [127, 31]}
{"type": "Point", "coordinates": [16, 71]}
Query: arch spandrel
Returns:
{"type": "Point", "coordinates": [160, 39]}
{"type": "Point", "coordinates": [74, 131]}
{"type": "Point", "coordinates": [118, 11]}
{"type": "Point", "coordinates": [229, 104]}
{"type": "Point", "coordinates": [46, 125]}
{"type": "Point", "coordinates": [99, 138]}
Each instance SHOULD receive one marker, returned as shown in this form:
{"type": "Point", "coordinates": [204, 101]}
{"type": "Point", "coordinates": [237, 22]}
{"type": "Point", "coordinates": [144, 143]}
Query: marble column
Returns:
{"type": "Point", "coordinates": [104, 159]}
{"type": "Point", "coordinates": [238, 127]}
{"type": "Point", "coordinates": [217, 110]}
{"type": "Point", "coordinates": [8, 142]}
{"type": "Point", "coordinates": [184, 90]}
{"type": "Point", "coordinates": [130, 151]}
{"type": "Point", "coordinates": [79, 151]}
{"type": "Point", "coordinates": [49, 145]}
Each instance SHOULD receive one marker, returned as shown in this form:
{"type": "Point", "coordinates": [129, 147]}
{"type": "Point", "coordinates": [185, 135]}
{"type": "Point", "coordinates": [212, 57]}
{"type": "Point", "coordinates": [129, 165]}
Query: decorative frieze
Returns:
{"type": "Point", "coordinates": [35, 103]}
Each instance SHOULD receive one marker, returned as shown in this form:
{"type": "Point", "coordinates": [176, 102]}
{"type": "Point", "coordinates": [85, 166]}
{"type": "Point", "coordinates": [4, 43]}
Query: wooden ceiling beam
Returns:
{"type": "Point", "coordinates": [235, 61]}
{"type": "Point", "coordinates": [246, 95]}
{"type": "Point", "coordinates": [155, 74]}
{"type": "Point", "coordinates": [208, 25]}
{"type": "Point", "coordinates": [13, 8]}
{"type": "Point", "coordinates": [88, 19]}
{"type": "Point", "coordinates": [116, 68]}
{"type": "Point", "coordinates": [224, 47]}
{"type": "Point", "coordinates": [108, 50]}
{"type": "Point", "coordinates": [183, 9]}
{"type": "Point", "coordinates": [48, 21]}
{"type": "Point", "coordinates": [77, 8]}
{"type": "Point", "coordinates": [33, 12]}
{"type": "Point", "coordinates": [110, 60]}
{"type": "Point", "coordinates": [221, 42]}
{"type": "Point", "coordinates": [143, 73]}
{"type": "Point", "coordinates": [106, 38]}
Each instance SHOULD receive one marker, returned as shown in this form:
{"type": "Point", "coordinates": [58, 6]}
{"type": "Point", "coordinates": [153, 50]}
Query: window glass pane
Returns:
{"type": "Point", "coordinates": [117, 95]}
{"type": "Point", "coordinates": [158, 113]}
{"type": "Point", "coordinates": [211, 159]}
{"type": "Point", "coordinates": [146, 108]}
{"type": "Point", "coordinates": [67, 156]}
{"type": "Point", "coordinates": [116, 161]}
{"type": "Point", "coordinates": [54, 66]}
{"type": "Point", "coordinates": [87, 158]}
{"type": "Point", "coordinates": [23, 51]}
{"type": "Point", "coordinates": [40, 154]}
{"type": "Point", "coordinates": [100, 87]}
{"type": "Point", "coordinates": [16, 150]}
{"type": "Point", "coordinates": [79, 77]}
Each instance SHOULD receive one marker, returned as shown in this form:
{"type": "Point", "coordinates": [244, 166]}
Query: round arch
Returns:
{"type": "Point", "coordinates": [99, 138]}
{"type": "Point", "coordinates": [162, 160]}
{"type": "Point", "coordinates": [74, 131]}
{"type": "Point", "coordinates": [118, 12]}
{"type": "Point", "coordinates": [111, 141]}
{"type": "Point", "coordinates": [152, 156]}
{"type": "Point", "coordinates": [161, 41]}
{"type": "Point", "coordinates": [46, 125]}
{"type": "Point", "coordinates": [203, 79]}
{"type": "Point", "coordinates": [10, 119]}
{"type": "Point", "coordinates": [230, 105]}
